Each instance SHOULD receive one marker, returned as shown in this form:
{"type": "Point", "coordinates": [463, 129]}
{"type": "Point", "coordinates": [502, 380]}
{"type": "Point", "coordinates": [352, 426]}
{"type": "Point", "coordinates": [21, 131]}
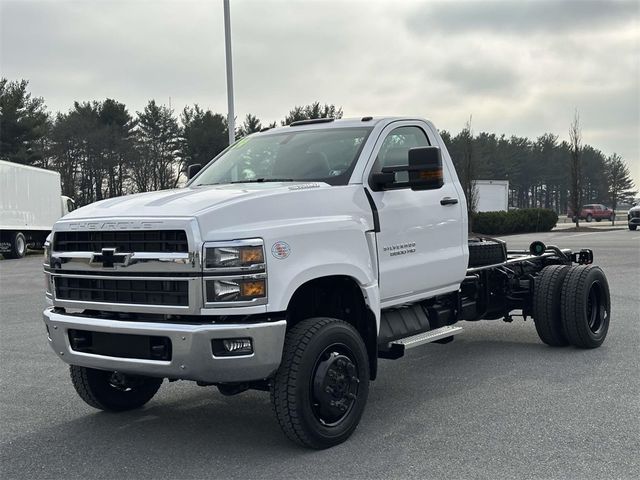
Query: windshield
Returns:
{"type": "Point", "coordinates": [326, 155]}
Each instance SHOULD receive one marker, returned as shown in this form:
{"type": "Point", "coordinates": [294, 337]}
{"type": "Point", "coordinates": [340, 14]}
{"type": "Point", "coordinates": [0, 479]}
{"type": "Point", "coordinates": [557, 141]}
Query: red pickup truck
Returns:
{"type": "Point", "coordinates": [594, 211]}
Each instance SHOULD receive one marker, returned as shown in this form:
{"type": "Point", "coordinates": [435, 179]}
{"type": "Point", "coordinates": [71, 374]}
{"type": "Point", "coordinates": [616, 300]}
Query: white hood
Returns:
{"type": "Point", "coordinates": [182, 202]}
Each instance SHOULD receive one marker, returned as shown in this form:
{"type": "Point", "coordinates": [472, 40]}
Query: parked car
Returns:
{"type": "Point", "coordinates": [594, 211]}
{"type": "Point", "coordinates": [633, 217]}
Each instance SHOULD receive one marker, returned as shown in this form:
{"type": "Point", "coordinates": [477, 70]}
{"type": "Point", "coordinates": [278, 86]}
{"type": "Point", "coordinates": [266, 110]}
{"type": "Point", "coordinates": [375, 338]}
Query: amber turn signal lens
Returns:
{"type": "Point", "coordinates": [435, 174]}
{"type": "Point", "coordinates": [251, 255]}
{"type": "Point", "coordinates": [253, 289]}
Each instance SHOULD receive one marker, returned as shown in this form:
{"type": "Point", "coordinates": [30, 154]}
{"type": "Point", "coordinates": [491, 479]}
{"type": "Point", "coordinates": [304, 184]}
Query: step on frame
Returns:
{"type": "Point", "coordinates": [396, 349]}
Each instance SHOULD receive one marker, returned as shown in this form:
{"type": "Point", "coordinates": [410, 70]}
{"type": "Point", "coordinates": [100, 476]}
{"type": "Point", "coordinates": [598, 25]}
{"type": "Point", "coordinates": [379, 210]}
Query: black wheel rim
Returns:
{"type": "Point", "coordinates": [334, 386]}
{"type": "Point", "coordinates": [597, 308]}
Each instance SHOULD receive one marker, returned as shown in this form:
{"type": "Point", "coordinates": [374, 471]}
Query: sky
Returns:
{"type": "Point", "coordinates": [512, 66]}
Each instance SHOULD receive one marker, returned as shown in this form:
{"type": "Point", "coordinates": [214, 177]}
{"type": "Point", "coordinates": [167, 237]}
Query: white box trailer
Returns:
{"type": "Point", "coordinates": [493, 195]}
{"type": "Point", "coordinates": [31, 201]}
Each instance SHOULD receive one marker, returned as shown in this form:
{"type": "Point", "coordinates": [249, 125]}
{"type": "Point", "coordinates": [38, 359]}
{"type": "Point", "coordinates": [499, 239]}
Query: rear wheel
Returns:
{"type": "Point", "coordinates": [113, 391]}
{"type": "Point", "coordinates": [18, 246]}
{"type": "Point", "coordinates": [589, 218]}
{"type": "Point", "coordinates": [546, 305]}
{"type": "Point", "coordinates": [585, 306]}
{"type": "Point", "coordinates": [320, 390]}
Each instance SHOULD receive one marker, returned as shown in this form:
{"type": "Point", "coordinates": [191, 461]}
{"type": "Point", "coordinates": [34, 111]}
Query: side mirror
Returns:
{"type": "Point", "coordinates": [425, 171]}
{"type": "Point", "coordinates": [193, 170]}
{"type": "Point", "coordinates": [425, 168]}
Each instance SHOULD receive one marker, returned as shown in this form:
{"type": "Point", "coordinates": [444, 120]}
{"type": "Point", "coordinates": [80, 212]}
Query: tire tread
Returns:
{"type": "Point", "coordinates": [546, 305]}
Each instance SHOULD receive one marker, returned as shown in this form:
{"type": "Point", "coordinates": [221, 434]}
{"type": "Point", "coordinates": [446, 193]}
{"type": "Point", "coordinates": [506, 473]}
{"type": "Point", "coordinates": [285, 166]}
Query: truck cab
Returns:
{"type": "Point", "coordinates": [291, 263]}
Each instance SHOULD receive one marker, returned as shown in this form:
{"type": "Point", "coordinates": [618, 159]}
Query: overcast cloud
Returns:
{"type": "Point", "coordinates": [517, 67]}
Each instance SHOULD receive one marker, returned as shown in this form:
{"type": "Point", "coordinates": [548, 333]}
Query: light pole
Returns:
{"type": "Point", "coordinates": [231, 123]}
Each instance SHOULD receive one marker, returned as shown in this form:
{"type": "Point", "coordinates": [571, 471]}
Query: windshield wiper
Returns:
{"type": "Point", "coordinates": [254, 180]}
{"type": "Point", "coordinates": [261, 180]}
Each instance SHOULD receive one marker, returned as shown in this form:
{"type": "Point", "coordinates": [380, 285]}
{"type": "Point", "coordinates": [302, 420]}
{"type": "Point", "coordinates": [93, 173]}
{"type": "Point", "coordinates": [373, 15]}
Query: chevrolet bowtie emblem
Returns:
{"type": "Point", "coordinates": [108, 257]}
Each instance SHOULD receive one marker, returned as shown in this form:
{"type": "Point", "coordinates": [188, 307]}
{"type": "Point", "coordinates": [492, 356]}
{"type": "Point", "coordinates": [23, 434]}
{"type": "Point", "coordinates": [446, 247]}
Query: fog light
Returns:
{"type": "Point", "coordinates": [229, 347]}
{"type": "Point", "coordinates": [238, 345]}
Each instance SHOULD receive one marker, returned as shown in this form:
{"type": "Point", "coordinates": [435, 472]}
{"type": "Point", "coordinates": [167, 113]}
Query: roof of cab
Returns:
{"type": "Point", "coordinates": [341, 123]}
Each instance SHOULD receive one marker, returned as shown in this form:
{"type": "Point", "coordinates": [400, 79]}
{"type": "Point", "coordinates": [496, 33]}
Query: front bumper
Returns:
{"type": "Point", "coordinates": [192, 355]}
{"type": "Point", "coordinates": [634, 221]}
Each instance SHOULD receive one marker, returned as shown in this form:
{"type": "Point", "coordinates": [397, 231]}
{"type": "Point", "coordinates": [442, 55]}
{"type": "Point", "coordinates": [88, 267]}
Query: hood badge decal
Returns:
{"type": "Point", "coordinates": [280, 250]}
{"type": "Point", "coordinates": [304, 186]}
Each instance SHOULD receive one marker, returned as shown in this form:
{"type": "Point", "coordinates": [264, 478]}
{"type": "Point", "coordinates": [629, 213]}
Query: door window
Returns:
{"type": "Point", "coordinates": [395, 149]}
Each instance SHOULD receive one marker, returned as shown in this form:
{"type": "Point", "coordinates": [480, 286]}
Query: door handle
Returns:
{"type": "Point", "coordinates": [448, 201]}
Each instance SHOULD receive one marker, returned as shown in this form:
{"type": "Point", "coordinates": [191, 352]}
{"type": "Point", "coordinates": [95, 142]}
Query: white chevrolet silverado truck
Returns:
{"type": "Point", "coordinates": [291, 263]}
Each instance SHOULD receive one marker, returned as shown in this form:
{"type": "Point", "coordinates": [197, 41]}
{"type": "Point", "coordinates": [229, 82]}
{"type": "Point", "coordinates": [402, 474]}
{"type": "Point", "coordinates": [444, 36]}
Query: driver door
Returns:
{"type": "Point", "coordinates": [420, 242]}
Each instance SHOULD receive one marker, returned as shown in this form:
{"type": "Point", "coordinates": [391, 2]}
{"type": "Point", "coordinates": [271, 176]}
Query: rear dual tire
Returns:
{"type": "Point", "coordinates": [546, 305]}
{"type": "Point", "coordinates": [572, 305]}
{"type": "Point", "coordinates": [585, 306]}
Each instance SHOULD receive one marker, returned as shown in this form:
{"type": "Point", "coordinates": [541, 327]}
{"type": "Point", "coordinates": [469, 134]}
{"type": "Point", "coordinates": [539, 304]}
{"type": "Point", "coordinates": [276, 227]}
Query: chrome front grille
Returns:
{"type": "Point", "coordinates": [110, 290]}
{"type": "Point", "coordinates": [150, 266]}
{"type": "Point", "coordinates": [165, 241]}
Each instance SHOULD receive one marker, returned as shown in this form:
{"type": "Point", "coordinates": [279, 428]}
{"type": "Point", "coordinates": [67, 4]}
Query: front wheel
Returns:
{"type": "Point", "coordinates": [632, 227]}
{"type": "Point", "coordinates": [589, 218]}
{"type": "Point", "coordinates": [113, 391]}
{"type": "Point", "coordinates": [320, 389]}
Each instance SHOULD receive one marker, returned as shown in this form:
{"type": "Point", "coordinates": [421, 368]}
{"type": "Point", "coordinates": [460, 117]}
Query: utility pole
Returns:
{"type": "Point", "coordinates": [231, 123]}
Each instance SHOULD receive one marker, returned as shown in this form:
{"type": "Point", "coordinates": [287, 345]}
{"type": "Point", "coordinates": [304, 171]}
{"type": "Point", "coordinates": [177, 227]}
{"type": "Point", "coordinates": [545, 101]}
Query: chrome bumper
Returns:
{"type": "Point", "coordinates": [192, 356]}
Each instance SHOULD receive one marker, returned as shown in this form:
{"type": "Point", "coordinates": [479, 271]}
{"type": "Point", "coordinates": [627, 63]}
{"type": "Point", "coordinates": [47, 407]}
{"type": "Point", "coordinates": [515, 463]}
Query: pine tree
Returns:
{"type": "Point", "coordinates": [24, 124]}
{"type": "Point", "coordinates": [621, 187]}
{"type": "Point", "coordinates": [158, 137]}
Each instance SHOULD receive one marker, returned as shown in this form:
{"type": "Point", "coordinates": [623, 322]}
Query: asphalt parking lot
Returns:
{"type": "Point", "coordinates": [495, 403]}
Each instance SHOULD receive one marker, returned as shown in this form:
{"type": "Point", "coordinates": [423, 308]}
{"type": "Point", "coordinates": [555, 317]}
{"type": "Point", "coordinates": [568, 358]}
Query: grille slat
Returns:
{"type": "Point", "coordinates": [139, 292]}
{"type": "Point", "coordinates": [172, 241]}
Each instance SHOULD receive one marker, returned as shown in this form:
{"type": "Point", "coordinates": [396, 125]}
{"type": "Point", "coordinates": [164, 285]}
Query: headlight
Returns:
{"type": "Point", "coordinates": [47, 253]}
{"type": "Point", "coordinates": [236, 290]}
{"type": "Point", "coordinates": [235, 273]}
{"type": "Point", "coordinates": [243, 255]}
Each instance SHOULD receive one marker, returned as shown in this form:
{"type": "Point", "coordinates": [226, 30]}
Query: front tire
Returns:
{"type": "Point", "coordinates": [320, 390]}
{"type": "Point", "coordinates": [585, 306]}
{"type": "Point", "coordinates": [113, 391]}
{"type": "Point", "coordinates": [632, 227]}
{"type": "Point", "coordinates": [589, 218]}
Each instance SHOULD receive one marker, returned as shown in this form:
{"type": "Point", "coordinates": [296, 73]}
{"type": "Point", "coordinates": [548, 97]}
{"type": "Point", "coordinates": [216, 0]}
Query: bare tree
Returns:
{"type": "Point", "coordinates": [575, 144]}
{"type": "Point", "coordinates": [469, 172]}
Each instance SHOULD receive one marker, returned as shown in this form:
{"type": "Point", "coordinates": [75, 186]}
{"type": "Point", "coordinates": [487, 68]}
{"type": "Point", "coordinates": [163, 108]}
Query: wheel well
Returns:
{"type": "Point", "coordinates": [336, 296]}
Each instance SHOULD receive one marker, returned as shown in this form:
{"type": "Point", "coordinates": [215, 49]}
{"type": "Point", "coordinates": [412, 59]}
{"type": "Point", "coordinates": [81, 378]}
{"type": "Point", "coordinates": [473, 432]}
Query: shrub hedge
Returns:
{"type": "Point", "coordinates": [514, 221]}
